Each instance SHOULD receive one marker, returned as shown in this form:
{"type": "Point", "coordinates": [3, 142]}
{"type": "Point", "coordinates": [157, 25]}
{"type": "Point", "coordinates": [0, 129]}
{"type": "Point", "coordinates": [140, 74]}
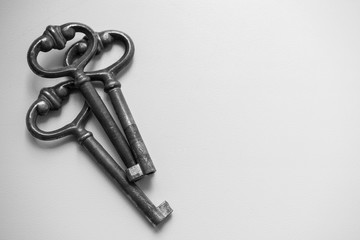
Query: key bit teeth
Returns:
{"type": "Point", "coordinates": [163, 212]}
{"type": "Point", "coordinates": [165, 209]}
{"type": "Point", "coordinates": [134, 173]}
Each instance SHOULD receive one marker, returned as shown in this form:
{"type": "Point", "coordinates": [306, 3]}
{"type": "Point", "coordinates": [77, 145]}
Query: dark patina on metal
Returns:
{"type": "Point", "coordinates": [111, 86]}
{"type": "Point", "coordinates": [131, 147]}
{"type": "Point", "coordinates": [51, 99]}
{"type": "Point", "coordinates": [55, 37]}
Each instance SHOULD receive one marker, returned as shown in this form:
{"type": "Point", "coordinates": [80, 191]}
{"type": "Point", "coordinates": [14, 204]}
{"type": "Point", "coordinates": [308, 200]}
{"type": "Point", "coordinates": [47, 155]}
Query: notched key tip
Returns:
{"type": "Point", "coordinates": [165, 209]}
{"type": "Point", "coordinates": [164, 212]}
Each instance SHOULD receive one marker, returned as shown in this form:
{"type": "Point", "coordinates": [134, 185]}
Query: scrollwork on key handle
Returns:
{"type": "Point", "coordinates": [51, 99]}
{"type": "Point", "coordinates": [55, 37]}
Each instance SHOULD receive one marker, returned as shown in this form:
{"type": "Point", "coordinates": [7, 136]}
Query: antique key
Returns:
{"type": "Point", "coordinates": [55, 37]}
{"type": "Point", "coordinates": [51, 99]}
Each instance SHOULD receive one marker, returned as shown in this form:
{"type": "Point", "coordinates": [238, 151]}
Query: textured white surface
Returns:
{"type": "Point", "coordinates": [249, 109]}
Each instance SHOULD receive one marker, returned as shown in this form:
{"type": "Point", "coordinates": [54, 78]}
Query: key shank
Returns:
{"type": "Point", "coordinates": [155, 215]}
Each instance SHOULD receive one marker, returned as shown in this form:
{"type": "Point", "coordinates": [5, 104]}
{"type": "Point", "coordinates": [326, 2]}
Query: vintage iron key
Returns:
{"type": "Point", "coordinates": [113, 88]}
{"type": "Point", "coordinates": [55, 37]}
{"type": "Point", "coordinates": [51, 99]}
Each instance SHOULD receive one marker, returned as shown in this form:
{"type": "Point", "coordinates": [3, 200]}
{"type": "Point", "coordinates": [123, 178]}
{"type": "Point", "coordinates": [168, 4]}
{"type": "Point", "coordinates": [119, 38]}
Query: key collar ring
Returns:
{"type": "Point", "coordinates": [56, 37]}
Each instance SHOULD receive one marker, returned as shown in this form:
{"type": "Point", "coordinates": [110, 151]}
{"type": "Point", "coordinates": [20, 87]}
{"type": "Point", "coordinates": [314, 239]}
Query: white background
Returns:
{"type": "Point", "coordinates": [249, 109]}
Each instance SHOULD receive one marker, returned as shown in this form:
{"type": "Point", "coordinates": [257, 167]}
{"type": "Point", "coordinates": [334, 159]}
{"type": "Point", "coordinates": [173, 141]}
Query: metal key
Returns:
{"type": "Point", "coordinates": [51, 99]}
{"type": "Point", "coordinates": [55, 37]}
{"type": "Point", "coordinates": [113, 88]}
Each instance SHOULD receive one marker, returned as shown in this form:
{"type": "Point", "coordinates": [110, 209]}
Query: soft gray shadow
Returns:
{"type": "Point", "coordinates": [146, 182]}
{"type": "Point", "coordinates": [47, 144]}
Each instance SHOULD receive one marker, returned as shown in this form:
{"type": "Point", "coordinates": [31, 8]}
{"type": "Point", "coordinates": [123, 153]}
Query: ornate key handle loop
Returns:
{"type": "Point", "coordinates": [56, 37]}
{"type": "Point", "coordinates": [50, 99]}
{"type": "Point", "coordinates": [105, 39]}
